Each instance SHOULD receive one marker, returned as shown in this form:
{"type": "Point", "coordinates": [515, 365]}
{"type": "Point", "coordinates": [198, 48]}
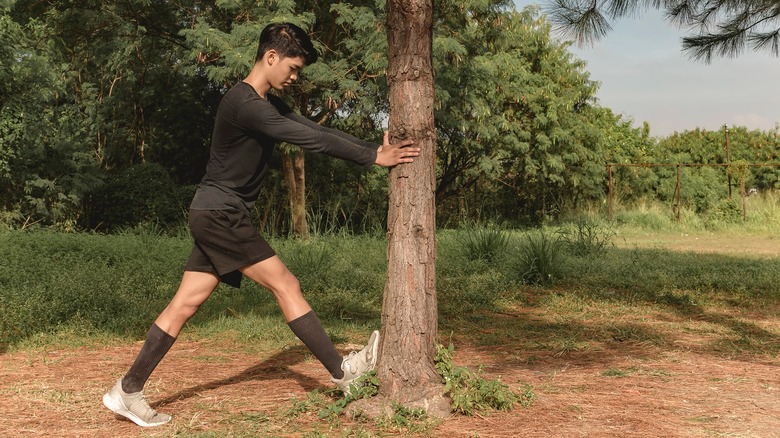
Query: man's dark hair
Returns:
{"type": "Point", "coordinates": [289, 40]}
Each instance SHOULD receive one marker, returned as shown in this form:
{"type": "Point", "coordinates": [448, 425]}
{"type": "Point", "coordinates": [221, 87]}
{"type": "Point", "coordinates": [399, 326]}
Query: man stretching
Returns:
{"type": "Point", "coordinates": [249, 123]}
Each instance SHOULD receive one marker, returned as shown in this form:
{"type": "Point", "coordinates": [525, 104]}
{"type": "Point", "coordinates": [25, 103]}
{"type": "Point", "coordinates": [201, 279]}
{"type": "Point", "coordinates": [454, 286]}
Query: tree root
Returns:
{"type": "Point", "coordinates": [435, 405]}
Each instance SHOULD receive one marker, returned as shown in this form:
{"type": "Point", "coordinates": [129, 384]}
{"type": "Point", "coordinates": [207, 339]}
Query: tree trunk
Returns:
{"type": "Point", "coordinates": [295, 180]}
{"type": "Point", "coordinates": [409, 314]}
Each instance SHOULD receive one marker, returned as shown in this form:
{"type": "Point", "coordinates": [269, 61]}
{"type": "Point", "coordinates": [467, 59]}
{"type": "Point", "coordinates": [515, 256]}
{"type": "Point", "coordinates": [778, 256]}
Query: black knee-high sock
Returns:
{"type": "Point", "coordinates": [308, 329]}
{"type": "Point", "coordinates": [157, 344]}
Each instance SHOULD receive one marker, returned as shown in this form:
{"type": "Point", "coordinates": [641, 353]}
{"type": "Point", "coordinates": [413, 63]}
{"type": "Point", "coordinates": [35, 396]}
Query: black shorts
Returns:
{"type": "Point", "coordinates": [225, 241]}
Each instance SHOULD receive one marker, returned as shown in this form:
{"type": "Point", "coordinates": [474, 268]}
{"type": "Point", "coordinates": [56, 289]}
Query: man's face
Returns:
{"type": "Point", "coordinates": [284, 71]}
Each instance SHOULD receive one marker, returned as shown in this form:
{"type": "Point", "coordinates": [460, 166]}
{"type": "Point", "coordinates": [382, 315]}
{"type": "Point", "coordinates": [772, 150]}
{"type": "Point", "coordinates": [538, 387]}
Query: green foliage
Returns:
{"type": "Point", "coordinates": [725, 211]}
{"type": "Point", "coordinates": [402, 419]}
{"type": "Point", "coordinates": [408, 421]}
{"type": "Point", "coordinates": [517, 126]}
{"type": "Point", "coordinates": [358, 205]}
{"type": "Point", "coordinates": [472, 394]}
{"type": "Point", "coordinates": [105, 283]}
{"type": "Point", "coordinates": [540, 258]}
{"type": "Point", "coordinates": [106, 92]}
{"type": "Point", "coordinates": [520, 136]}
{"type": "Point", "coordinates": [485, 243]}
{"type": "Point", "coordinates": [138, 194]}
{"type": "Point", "coordinates": [328, 407]}
{"type": "Point", "coordinates": [345, 89]}
{"type": "Point", "coordinates": [704, 188]}
{"type": "Point", "coordinates": [718, 28]}
{"type": "Point", "coordinates": [44, 164]}
{"type": "Point", "coordinates": [586, 238]}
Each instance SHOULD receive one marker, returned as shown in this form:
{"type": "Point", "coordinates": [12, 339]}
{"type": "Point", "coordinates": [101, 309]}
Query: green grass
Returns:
{"type": "Point", "coordinates": [73, 287]}
{"type": "Point", "coordinates": [87, 291]}
{"type": "Point", "coordinates": [762, 214]}
{"type": "Point", "coordinates": [82, 285]}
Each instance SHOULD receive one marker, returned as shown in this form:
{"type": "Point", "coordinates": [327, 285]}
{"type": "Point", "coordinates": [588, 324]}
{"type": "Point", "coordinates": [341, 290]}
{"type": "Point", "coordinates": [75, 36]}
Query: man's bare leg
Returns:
{"type": "Point", "coordinates": [274, 276]}
{"type": "Point", "coordinates": [126, 398]}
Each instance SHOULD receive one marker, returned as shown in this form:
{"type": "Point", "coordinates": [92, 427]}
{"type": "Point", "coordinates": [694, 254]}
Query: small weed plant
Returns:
{"type": "Point", "coordinates": [470, 393]}
{"type": "Point", "coordinates": [408, 421]}
{"type": "Point", "coordinates": [366, 386]}
{"type": "Point", "coordinates": [402, 419]}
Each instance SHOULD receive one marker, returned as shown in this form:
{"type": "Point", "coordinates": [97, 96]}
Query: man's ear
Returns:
{"type": "Point", "coordinates": [271, 56]}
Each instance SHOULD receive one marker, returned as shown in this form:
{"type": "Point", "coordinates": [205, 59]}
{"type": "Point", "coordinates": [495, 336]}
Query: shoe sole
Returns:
{"type": "Point", "coordinates": [119, 409]}
{"type": "Point", "coordinates": [374, 342]}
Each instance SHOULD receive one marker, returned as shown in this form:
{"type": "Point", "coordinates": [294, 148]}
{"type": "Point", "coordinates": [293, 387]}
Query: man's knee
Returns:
{"type": "Point", "coordinates": [182, 310]}
{"type": "Point", "coordinates": [287, 285]}
{"type": "Point", "coordinates": [185, 305]}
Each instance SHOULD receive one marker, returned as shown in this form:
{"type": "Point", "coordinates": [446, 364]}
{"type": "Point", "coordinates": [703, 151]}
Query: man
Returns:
{"type": "Point", "coordinates": [249, 122]}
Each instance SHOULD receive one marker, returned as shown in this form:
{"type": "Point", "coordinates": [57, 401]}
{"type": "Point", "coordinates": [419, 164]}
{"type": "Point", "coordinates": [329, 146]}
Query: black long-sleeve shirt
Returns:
{"type": "Point", "coordinates": [246, 130]}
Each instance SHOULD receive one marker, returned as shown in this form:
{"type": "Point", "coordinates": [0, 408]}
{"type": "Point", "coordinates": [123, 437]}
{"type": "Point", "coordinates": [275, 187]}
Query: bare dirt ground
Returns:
{"type": "Point", "coordinates": [677, 392]}
{"type": "Point", "coordinates": [705, 242]}
{"type": "Point", "coordinates": [620, 389]}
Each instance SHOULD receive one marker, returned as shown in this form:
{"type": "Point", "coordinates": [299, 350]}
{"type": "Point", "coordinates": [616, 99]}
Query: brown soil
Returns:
{"type": "Point", "coordinates": [619, 389]}
{"type": "Point", "coordinates": [707, 242]}
{"type": "Point", "coordinates": [670, 392]}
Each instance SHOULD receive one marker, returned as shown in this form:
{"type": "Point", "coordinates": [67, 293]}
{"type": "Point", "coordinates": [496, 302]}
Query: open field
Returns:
{"type": "Point", "coordinates": [662, 360]}
{"type": "Point", "coordinates": [742, 244]}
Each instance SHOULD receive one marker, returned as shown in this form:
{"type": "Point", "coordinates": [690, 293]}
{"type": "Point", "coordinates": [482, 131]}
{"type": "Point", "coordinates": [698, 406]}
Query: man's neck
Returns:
{"type": "Point", "coordinates": [256, 80]}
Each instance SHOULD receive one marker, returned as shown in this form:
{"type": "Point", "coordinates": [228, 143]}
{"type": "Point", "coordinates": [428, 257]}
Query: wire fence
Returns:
{"type": "Point", "coordinates": [678, 189]}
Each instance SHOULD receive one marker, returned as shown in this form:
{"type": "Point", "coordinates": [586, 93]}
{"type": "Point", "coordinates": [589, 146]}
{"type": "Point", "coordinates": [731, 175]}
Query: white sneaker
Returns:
{"type": "Point", "coordinates": [358, 363]}
{"type": "Point", "coordinates": [133, 407]}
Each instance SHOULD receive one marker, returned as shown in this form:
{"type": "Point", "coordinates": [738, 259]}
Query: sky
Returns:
{"type": "Point", "coordinates": [645, 76]}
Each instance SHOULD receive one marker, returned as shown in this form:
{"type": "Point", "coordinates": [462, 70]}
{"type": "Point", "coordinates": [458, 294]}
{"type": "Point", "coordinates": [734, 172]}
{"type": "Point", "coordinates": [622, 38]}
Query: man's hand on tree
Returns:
{"type": "Point", "coordinates": [389, 155]}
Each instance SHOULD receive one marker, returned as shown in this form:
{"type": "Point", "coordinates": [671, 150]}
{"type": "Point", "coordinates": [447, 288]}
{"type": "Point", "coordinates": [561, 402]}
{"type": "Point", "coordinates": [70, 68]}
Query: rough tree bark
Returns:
{"type": "Point", "coordinates": [409, 312]}
{"type": "Point", "coordinates": [295, 181]}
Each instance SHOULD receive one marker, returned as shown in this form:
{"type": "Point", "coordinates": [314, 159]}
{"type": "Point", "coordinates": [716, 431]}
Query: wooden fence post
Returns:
{"type": "Point", "coordinates": [609, 166]}
{"type": "Point", "coordinates": [678, 193]}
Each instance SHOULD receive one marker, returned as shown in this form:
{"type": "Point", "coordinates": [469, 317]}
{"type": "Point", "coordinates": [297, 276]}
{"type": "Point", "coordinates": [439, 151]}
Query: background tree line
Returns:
{"type": "Point", "coordinates": [106, 111]}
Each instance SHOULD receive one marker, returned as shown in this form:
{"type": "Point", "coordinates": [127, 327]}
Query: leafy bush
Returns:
{"type": "Point", "coordinates": [703, 187]}
{"type": "Point", "coordinates": [139, 194]}
{"type": "Point", "coordinates": [365, 386]}
{"type": "Point", "coordinates": [726, 211]}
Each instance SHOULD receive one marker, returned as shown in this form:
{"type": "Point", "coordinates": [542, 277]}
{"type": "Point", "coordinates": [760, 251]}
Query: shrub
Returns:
{"type": "Point", "coordinates": [586, 238]}
{"type": "Point", "coordinates": [726, 211]}
{"type": "Point", "coordinates": [139, 194]}
{"type": "Point", "coordinates": [540, 258]}
{"type": "Point", "coordinates": [484, 243]}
